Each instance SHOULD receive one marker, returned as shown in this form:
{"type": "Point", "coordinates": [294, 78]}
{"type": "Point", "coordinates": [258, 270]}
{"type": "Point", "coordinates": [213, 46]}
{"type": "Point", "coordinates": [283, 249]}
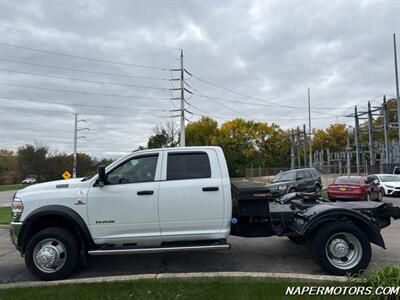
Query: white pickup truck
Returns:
{"type": "Point", "coordinates": [181, 199]}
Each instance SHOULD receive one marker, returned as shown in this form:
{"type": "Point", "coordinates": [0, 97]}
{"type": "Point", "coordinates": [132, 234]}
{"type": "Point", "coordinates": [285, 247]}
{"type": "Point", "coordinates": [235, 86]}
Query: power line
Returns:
{"type": "Point", "coordinates": [83, 92]}
{"type": "Point", "coordinates": [66, 112]}
{"type": "Point", "coordinates": [83, 80]}
{"type": "Point", "coordinates": [92, 44]}
{"type": "Point", "coordinates": [79, 104]}
{"type": "Point", "coordinates": [81, 70]}
{"type": "Point", "coordinates": [251, 97]}
{"type": "Point", "coordinates": [106, 38]}
{"type": "Point", "coordinates": [83, 57]}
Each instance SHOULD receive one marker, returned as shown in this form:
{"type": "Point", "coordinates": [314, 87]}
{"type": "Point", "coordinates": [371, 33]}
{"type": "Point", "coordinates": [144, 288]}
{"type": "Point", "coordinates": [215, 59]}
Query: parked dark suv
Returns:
{"type": "Point", "coordinates": [299, 180]}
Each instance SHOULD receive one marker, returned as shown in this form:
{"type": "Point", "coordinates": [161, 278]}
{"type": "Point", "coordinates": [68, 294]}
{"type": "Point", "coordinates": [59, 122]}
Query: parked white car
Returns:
{"type": "Point", "coordinates": [389, 183]}
{"type": "Point", "coordinates": [29, 180]}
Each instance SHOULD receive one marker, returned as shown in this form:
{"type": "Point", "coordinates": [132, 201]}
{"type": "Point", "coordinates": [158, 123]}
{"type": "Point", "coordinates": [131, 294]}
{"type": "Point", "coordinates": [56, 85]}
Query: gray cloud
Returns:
{"type": "Point", "coordinates": [269, 50]}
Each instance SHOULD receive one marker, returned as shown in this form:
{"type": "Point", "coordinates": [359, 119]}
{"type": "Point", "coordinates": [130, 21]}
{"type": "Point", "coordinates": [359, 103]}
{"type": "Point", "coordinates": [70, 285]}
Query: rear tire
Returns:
{"type": "Point", "coordinates": [52, 254]}
{"type": "Point", "coordinates": [292, 190]}
{"type": "Point", "coordinates": [341, 248]}
{"type": "Point", "coordinates": [318, 189]}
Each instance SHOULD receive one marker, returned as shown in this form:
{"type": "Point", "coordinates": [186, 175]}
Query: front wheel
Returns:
{"type": "Point", "coordinates": [52, 254]}
{"type": "Point", "coordinates": [341, 248]}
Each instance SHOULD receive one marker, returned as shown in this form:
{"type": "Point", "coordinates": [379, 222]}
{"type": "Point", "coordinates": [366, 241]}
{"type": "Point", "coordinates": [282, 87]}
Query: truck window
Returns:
{"type": "Point", "coordinates": [138, 169]}
{"type": "Point", "coordinates": [188, 166]}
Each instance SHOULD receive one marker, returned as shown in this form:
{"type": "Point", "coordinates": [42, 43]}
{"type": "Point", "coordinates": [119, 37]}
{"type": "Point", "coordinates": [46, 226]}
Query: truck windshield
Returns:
{"type": "Point", "coordinates": [390, 178]}
{"type": "Point", "coordinates": [285, 176]}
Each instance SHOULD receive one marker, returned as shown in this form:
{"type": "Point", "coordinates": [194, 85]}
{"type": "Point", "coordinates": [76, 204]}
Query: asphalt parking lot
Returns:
{"type": "Point", "coordinates": [274, 254]}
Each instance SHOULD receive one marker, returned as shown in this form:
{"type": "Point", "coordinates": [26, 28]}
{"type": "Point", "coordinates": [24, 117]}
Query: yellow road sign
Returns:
{"type": "Point", "coordinates": [66, 175]}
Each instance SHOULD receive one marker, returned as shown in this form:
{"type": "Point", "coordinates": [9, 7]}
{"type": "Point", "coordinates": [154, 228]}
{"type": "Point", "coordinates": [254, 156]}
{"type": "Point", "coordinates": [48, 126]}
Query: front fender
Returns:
{"type": "Point", "coordinates": [322, 214]}
{"type": "Point", "coordinates": [59, 211]}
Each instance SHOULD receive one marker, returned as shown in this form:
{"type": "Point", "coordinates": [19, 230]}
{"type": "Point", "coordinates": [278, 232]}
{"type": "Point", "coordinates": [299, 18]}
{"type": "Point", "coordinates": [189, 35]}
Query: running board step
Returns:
{"type": "Point", "coordinates": [159, 249]}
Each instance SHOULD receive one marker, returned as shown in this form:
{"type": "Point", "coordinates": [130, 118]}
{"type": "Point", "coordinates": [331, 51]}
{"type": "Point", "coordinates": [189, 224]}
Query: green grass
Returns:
{"type": "Point", "coordinates": [5, 215]}
{"type": "Point", "coordinates": [195, 288]}
{"type": "Point", "coordinates": [11, 187]}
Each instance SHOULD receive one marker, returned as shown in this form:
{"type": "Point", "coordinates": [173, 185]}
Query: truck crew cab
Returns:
{"type": "Point", "coordinates": [181, 199]}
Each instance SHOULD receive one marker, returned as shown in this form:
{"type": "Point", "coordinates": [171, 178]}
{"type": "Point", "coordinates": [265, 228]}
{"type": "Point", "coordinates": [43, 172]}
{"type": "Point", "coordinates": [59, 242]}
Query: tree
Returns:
{"type": "Point", "coordinates": [8, 167]}
{"type": "Point", "coordinates": [32, 161]}
{"type": "Point", "coordinates": [166, 135]}
{"type": "Point", "coordinates": [333, 138]}
{"type": "Point", "coordinates": [203, 132]}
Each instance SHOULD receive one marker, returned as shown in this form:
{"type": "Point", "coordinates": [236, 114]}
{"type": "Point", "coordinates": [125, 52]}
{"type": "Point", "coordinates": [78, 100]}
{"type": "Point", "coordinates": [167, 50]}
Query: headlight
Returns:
{"type": "Point", "coordinates": [282, 187]}
{"type": "Point", "coordinates": [17, 207]}
{"type": "Point", "coordinates": [390, 187]}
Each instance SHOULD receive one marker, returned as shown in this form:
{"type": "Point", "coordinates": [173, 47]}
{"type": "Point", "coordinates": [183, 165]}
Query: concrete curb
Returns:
{"type": "Point", "coordinates": [175, 275]}
{"type": "Point", "coordinates": [4, 226]}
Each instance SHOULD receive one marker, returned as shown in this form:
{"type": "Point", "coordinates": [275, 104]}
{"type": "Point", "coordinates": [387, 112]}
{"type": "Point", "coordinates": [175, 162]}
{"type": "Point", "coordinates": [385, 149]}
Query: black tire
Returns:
{"type": "Point", "coordinates": [321, 239]}
{"type": "Point", "coordinates": [317, 189]}
{"type": "Point", "coordinates": [70, 244]}
{"type": "Point", "coordinates": [292, 190]}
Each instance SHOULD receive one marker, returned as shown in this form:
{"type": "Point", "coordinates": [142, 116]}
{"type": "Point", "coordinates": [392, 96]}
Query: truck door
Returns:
{"type": "Point", "coordinates": [191, 200]}
{"type": "Point", "coordinates": [126, 206]}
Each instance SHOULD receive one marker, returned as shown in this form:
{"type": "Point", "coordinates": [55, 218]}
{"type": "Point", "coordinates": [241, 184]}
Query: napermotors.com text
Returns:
{"type": "Point", "coordinates": [342, 290]}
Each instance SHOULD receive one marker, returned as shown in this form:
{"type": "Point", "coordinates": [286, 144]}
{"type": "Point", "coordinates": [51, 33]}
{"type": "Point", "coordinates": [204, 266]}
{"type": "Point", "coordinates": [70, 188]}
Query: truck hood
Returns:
{"type": "Point", "coordinates": [51, 185]}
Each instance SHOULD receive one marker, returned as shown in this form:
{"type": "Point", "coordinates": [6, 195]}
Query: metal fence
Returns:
{"type": "Point", "coordinates": [338, 168]}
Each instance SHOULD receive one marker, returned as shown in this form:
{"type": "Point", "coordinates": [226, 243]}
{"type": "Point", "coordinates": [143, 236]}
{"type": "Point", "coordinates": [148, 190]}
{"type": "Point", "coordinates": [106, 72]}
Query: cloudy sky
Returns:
{"type": "Point", "coordinates": [110, 62]}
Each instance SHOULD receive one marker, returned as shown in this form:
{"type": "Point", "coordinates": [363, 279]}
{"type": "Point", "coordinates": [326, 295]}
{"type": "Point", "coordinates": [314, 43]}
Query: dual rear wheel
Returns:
{"type": "Point", "coordinates": [341, 248]}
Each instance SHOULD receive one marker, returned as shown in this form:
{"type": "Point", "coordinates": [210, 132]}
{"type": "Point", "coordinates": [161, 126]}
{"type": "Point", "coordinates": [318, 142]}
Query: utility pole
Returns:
{"type": "Point", "coordinates": [292, 157]}
{"type": "Point", "coordinates": [385, 129]}
{"type": "Point", "coordinates": [75, 145]}
{"type": "Point", "coordinates": [370, 136]}
{"type": "Point", "coordinates": [356, 139]}
{"type": "Point", "coordinates": [182, 134]}
{"type": "Point", "coordinates": [305, 145]}
{"type": "Point", "coordinates": [298, 148]}
{"type": "Point", "coordinates": [348, 154]}
{"type": "Point", "coordinates": [76, 137]}
{"type": "Point", "coordinates": [309, 127]}
{"type": "Point", "coordinates": [397, 83]}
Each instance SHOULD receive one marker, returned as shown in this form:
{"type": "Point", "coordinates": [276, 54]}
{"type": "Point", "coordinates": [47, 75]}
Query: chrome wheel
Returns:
{"type": "Point", "coordinates": [344, 251]}
{"type": "Point", "coordinates": [49, 255]}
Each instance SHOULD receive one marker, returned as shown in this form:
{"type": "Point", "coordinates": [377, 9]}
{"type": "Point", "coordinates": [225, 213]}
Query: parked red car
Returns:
{"type": "Point", "coordinates": [354, 188]}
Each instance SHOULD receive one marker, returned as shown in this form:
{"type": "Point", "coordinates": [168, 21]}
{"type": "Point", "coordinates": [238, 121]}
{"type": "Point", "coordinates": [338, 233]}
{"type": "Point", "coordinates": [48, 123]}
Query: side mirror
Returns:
{"type": "Point", "coordinates": [299, 177]}
{"type": "Point", "coordinates": [102, 179]}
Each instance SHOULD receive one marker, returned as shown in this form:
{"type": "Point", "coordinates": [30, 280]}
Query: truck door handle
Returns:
{"type": "Point", "coordinates": [140, 193]}
{"type": "Point", "coordinates": [210, 189]}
